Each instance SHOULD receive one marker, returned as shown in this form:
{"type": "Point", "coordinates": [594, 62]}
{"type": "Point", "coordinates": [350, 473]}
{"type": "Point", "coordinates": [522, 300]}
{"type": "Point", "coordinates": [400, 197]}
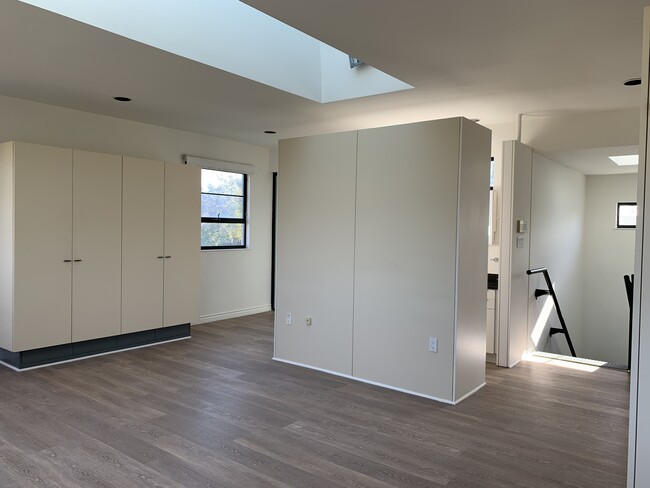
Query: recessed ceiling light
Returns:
{"type": "Point", "coordinates": [475, 120]}
{"type": "Point", "coordinates": [270, 132]}
{"type": "Point", "coordinates": [122, 99]}
{"type": "Point", "coordinates": [632, 82]}
{"type": "Point", "coordinates": [627, 160]}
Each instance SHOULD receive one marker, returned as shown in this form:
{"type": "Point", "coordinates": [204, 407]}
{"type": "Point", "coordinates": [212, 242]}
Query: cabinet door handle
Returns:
{"type": "Point", "coordinates": [167, 257]}
{"type": "Point", "coordinates": [161, 257]}
{"type": "Point", "coordinates": [67, 260]}
{"type": "Point", "coordinates": [77, 260]}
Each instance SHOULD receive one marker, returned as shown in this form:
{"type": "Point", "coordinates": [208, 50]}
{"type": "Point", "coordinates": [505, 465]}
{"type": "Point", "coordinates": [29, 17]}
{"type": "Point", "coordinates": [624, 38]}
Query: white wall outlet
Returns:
{"type": "Point", "coordinates": [307, 320]}
{"type": "Point", "coordinates": [287, 319]}
{"type": "Point", "coordinates": [433, 344]}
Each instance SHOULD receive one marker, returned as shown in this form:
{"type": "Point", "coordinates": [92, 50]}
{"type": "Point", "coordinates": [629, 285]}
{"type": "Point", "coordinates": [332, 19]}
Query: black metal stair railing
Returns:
{"type": "Point", "coordinates": [629, 291]}
{"type": "Point", "coordinates": [539, 292]}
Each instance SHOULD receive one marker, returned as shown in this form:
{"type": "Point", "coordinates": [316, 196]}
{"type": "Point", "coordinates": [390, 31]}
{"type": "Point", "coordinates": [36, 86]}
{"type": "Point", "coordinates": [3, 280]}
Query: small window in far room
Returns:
{"type": "Point", "coordinates": [223, 209]}
{"type": "Point", "coordinates": [626, 215]}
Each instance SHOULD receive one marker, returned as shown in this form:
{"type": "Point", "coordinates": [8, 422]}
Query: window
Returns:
{"type": "Point", "coordinates": [223, 209]}
{"type": "Point", "coordinates": [626, 215]}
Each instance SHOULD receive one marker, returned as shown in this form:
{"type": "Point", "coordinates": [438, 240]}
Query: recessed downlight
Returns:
{"type": "Point", "coordinates": [122, 99]}
{"type": "Point", "coordinates": [270, 132]}
{"type": "Point", "coordinates": [632, 82]}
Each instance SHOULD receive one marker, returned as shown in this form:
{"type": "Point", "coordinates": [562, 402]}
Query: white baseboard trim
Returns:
{"type": "Point", "coordinates": [93, 355]}
{"type": "Point", "coordinates": [467, 395]}
{"type": "Point", "coordinates": [203, 319]}
{"type": "Point", "coordinates": [374, 383]}
{"type": "Point", "coordinates": [515, 363]}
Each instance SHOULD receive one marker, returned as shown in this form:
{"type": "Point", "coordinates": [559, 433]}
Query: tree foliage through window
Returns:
{"type": "Point", "coordinates": [223, 209]}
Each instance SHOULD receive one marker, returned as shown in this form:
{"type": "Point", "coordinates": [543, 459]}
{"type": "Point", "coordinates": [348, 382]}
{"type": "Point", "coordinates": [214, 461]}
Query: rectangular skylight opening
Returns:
{"type": "Point", "coordinates": [626, 160]}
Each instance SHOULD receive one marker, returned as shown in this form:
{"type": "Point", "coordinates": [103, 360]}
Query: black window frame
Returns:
{"type": "Point", "coordinates": [229, 220]}
{"type": "Point", "coordinates": [618, 213]}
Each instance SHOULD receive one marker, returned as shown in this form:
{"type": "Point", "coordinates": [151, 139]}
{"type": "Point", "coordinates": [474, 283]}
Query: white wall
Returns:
{"type": "Point", "coordinates": [608, 255]}
{"type": "Point", "coordinates": [315, 250]}
{"type": "Point", "coordinates": [232, 282]}
{"type": "Point", "coordinates": [557, 236]}
{"type": "Point", "coordinates": [386, 204]}
{"type": "Point", "coordinates": [638, 474]}
{"type": "Point", "coordinates": [512, 296]}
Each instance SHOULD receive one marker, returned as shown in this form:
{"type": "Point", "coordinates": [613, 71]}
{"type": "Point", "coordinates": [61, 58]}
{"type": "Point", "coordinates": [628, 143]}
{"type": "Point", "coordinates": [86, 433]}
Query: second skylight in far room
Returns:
{"type": "Point", "coordinates": [234, 37]}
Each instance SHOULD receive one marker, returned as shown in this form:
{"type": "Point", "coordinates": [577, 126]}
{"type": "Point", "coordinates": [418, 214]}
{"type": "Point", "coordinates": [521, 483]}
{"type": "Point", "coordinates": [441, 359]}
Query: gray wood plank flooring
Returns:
{"type": "Point", "coordinates": [216, 411]}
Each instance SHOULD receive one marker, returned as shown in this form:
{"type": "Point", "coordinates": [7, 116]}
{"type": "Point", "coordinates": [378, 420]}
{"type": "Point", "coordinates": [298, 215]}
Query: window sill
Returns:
{"type": "Point", "coordinates": [247, 248]}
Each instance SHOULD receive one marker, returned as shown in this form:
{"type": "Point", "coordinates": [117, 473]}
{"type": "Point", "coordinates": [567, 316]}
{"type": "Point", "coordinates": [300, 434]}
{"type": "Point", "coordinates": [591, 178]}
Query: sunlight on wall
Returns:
{"type": "Point", "coordinates": [542, 320]}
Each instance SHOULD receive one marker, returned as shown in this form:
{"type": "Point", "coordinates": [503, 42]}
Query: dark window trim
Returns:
{"type": "Point", "coordinates": [618, 208]}
{"type": "Point", "coordinates": [229, 220]}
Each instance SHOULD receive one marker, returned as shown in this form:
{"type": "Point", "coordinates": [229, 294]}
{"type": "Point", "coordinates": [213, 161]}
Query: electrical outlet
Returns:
{"type": "Point", "coordinates": [433, 344]}
{"type": "Point", "coordinates": [307, 320]}
{"type": "Point", "coordinates": [287, 320]}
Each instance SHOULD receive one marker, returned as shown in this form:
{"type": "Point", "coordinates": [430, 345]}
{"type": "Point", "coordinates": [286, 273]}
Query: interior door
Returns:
{"type": "Point", "coordinates": [182, 244]}
{"type": "Point", "coordinates": [97, 245]}
{"type": "Point", "coordinates": [43, 246]}
{"type": "Point", "coordinates": [143, 200]}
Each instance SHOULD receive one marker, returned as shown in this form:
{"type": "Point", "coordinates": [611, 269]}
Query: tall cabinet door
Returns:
{"type": "Point", "coordinates": [97, 245]}
{"type": "Point", "coordinates": [182, 243]}
{"type": "Point", "coordinates": [143, 201]}
{"type": "Point", "coordinates": [43, 246]}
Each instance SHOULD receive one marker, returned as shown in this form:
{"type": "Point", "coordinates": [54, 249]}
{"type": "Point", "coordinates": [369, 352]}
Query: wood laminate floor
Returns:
{"type": "Point", "coordinates": [216, 411]}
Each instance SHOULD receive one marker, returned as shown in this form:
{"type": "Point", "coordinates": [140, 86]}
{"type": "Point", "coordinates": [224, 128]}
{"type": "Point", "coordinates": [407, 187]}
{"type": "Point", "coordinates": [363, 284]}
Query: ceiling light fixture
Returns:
{"type": "Point", "coordinates": [122, 99]}
{"type": "Point", "coordinates": [632, 82]}
{"type": "Point", "coordinates": [627, 160]}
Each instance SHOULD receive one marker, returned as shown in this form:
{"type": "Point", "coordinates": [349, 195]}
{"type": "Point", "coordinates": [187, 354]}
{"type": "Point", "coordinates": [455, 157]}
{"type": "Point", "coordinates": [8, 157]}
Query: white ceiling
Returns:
{"type": "Point", "coordinates": [487, 60]}
{"type": "Point", "coordinates": [595, 161]}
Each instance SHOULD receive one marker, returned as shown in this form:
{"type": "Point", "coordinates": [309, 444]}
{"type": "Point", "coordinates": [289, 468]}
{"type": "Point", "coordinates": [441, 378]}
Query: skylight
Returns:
{"type": "Point", "coordinates": [627, 160]}
{"type": "Point", "coordinates": [234, 37]}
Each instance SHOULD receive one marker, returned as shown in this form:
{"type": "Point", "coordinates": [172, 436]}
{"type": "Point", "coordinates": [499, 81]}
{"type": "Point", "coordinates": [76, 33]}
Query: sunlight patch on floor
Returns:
{"type": "Point", "coordinates": [579, 364]}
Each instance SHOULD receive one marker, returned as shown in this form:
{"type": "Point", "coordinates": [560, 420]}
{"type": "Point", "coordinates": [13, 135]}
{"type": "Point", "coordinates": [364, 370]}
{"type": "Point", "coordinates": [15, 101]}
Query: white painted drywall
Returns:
{"type": "Point", "coordinates": [315, 250]}
{"type": "Point", "coordinates": [581, 131]}
{"type": "Point", "coordinates": [382, 216]}
{"type": "Point", "coordinates": [557, 237]}
{"type": "Point", "coordinates": [228, 35]}
{"type": "Point", "coordinates": [608, 255]}
{"type": "Point", "coordinates": [234, 282]}
{"type": "Point", "coordinates": [513, 298]}
{"type": "Point", "coordinates": [6, 245]}
{"type": "Point", "coordinates": [471, 259]}
{"type": "Point", "coordinates": [405, 264]}
{"type": "Point", "coordinates": [340, 82]}
{"type": "Point", "coordinates": [638, 473]}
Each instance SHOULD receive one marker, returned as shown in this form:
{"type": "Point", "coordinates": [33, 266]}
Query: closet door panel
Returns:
{"type": "Point", "coordinates": [97, 245]}
{"type": "Point", "coordinates": [43, 245]}
{"type": "Point", "coordinates": [182, 243]}
{"type": "Point", "coordinates": [142, 244]}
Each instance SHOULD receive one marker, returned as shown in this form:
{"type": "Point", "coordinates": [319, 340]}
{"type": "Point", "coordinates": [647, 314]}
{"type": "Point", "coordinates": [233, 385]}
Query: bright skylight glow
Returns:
{"type": "Point", "coordinates": [234, 37]}
{"type": "Point", "coordinates": [627, 160]}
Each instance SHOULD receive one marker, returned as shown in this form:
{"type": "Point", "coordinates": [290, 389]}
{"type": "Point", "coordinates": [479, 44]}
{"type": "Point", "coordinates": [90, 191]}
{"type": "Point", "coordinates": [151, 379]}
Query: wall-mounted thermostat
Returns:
{"type": "Point", "coordinates": [522, 226]}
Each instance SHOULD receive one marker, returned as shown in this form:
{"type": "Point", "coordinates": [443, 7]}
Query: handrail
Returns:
{"type": "Point", "coordinates": [629, 291]}
{"type": "Point", "coordinates": [551, 291]}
